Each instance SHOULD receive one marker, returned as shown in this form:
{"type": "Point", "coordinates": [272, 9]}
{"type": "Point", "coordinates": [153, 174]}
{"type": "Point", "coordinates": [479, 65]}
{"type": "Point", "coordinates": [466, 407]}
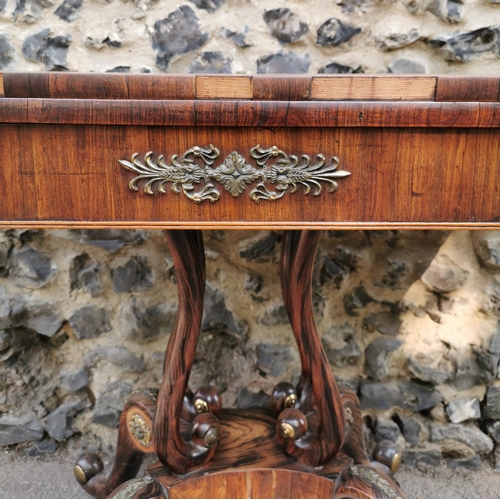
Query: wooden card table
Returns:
{"type": "Point", "coordinates": [296, 153]}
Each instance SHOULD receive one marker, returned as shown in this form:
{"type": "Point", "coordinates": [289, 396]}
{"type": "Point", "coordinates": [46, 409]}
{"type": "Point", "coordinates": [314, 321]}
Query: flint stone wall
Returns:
{"type": "Point", "coordinates": [408, 319]}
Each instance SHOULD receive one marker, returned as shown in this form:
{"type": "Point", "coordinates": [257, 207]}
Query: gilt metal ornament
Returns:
{"type": "Point", "coordinates": [140, 430]}
{"type": "Point", "coordinates": [195, 174]}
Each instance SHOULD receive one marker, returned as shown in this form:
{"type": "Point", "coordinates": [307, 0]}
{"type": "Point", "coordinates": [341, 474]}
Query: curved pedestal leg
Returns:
{"type": "Point", "coordinates": [312, 430]}
{"type": "Point", "coordinates": [176, 450]}
{"type": "Point", "coordinates": [134, 442]}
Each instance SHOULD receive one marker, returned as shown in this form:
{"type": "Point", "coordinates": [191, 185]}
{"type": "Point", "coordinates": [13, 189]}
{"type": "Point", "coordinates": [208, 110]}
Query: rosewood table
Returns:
{"type": "Point", "coordinates": [297, 153]}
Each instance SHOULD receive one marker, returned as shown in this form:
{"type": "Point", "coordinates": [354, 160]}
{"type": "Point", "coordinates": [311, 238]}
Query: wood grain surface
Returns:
{"type": "Point", "coordinates": [376, 88]}
{"type": "Point", "coordinates": [454, 88]}
{"type": "Point", "coordinates": [240, 113]}
{"type": "Point", "coordinates": [69, 176]}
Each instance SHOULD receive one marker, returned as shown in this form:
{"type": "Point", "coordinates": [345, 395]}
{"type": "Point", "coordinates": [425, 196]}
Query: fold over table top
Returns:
{"type": "Point", "coordinates": [262, 151]}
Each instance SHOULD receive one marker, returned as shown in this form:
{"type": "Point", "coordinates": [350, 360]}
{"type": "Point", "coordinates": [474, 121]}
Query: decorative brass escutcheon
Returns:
{"type": "Point", "coordinates": [196, 166]}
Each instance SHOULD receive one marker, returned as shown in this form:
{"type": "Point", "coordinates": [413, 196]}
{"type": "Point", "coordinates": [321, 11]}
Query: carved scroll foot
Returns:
{"type": "Point", "coordinates": [134, 442]}
{"type": "Point", "coordinates": [362, 481]}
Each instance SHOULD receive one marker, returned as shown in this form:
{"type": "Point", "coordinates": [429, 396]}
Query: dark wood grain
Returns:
{"type": "Point", "coordinates": [398, 177]}
{"type": "Point", "coordinates": [469, 89]}
{"type": "Point", "coordinates": [354, 442]}
{"type": "Point", "coordinates": [129, 454]}
{"type": "Point", "coordinates": [173, 450]}
{"type": "Point", "coordinates": [16, 85]}
{"type": "Point", "coordinates": [252, 113]}
{"type": "Point", "coordinates": [281, 87]}
{"type": "Point", "coordinates": [13, 111]}
{"type": "Point", "coordinates": [323, 439]}
{"type": "Point", "coordinates": [161, 87]}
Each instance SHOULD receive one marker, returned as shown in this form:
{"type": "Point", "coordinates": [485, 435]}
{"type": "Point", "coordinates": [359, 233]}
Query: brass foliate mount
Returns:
{"type": "Point", "coordinates": [196, 167]}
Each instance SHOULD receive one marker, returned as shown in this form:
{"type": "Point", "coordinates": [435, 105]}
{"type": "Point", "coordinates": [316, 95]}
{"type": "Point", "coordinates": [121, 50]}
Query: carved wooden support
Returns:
{"type": "Point", "coordinates": [313, 430]}
{"type": "Point", "coordinates": [180, 451]}
{"type": "Point", "coordinates": [354, 441]}
{"type": "Point", "coordinates": [134, 442]}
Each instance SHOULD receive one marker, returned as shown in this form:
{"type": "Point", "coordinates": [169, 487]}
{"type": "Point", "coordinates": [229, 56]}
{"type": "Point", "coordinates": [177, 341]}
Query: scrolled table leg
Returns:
{"type": "Point", "coordinates": [318, 400]}
{"type": "Point", "coordinates": [177, 450]}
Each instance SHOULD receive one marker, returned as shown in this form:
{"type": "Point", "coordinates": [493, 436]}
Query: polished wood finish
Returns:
{"type": "Point", "coordinates": [452, 88]}
{"type": "Point", "coordinates": [422, 152]}
{"type": "Point", "coordinates": [174, 450]}
{"type": "Point", "coordinates": [320, 439]}
{"type": "Point", "coordinates": [129, 452]}
{"type": "Point", "coordinates": [236, 113]}
{"type": "Point", "coordinates": [470, 89]}
{"type": "Point", "coordinates": [398, 177]}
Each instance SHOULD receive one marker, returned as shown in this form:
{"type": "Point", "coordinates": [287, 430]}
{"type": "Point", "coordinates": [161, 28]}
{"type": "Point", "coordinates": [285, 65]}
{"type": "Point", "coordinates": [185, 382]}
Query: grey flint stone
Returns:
{"type": "Point", "coordinates": [31, 268]}
{"type": "Point", "coordinates": [119, 356]}
{"type": "Point", "coordinates": [341, 347]}
{"type": "Point", "coordinates": [285, 25]}
{"type": "Point", "coordinates": [177, 34]}
{"type": "Point", "coordinates": [69, 10]}
{"type": "Point", "coordinates": [6, 51]}
{"type": "Point", "coordinates": [395, 41]}
{"type": "Point", "coordinates": [334, 68]}
{"type": "Point", "coordinates": [208, 5]}
{"type": "Point", "coordinates": [211, 63]}
{"type": "Point", "coordinates": [109, 239]}
{"type": "Point", "coordinates": [444, 275]}
{"type": "Point", "coordinates": [405, 66]}
{"type": "Point", "coordinates": [237, 37]}
{"type": "Point", "coordinates": [217, 317]}
{"type": "Point", "coordinates": [110, 402]}
{"type": "Point", "coordinates": [334, 32]}
{"type": "Point", "coordinates": [58, 424]}
{"type": "Point", "coordinates": [74, 381]}
{"type": "Point", "coordinates": [469, 435]}
{"type": "Point", "coordinates": [461, 47]}
{"type": "Point", "coordinates": [384, 322]}
{"type": "Point", "coordinates": [273, 359]}
{"type": "Point", "coordinates": [51, 51]}
{"type": "Point", "coordinates": [42, 317]}
{"type": "Point", "coordinates": [493, 402]}
{"type": "Point", "coordinates": [462, 409]}
{"type": "Point", "coordinates": [487, 247]}
{"type": "Point", "coordinates": [283, 63]}
{"type": "Point", "coordinates": [89, 322]}
{"type": "Point", "coordinates": [427, 458]}
{"type": "Point", "coordinates": [406, 395]}
{"type": "Point", "coordinates": [42, 448]}
{"type": "Point", "coordinates": [386, 429]}
{"type": "Point", "coordinates": [133, 276]}
{"type": "Point", "coordinates": [247, 399]}
{"type": "Point", "coordinates": [377, 355]}
{"type": "Point", "coordinates": [18, 428]}
{"type": "Point", "coordinates": [262, 248]}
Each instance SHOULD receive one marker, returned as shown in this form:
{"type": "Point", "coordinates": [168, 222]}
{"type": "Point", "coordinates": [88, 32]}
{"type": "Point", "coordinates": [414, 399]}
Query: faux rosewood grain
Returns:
{"type": "Point", "coordinates": [251, 113]}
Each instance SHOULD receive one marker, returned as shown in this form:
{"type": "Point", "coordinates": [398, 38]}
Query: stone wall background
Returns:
{"type": "Point", "coordinates": [408, 319]}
